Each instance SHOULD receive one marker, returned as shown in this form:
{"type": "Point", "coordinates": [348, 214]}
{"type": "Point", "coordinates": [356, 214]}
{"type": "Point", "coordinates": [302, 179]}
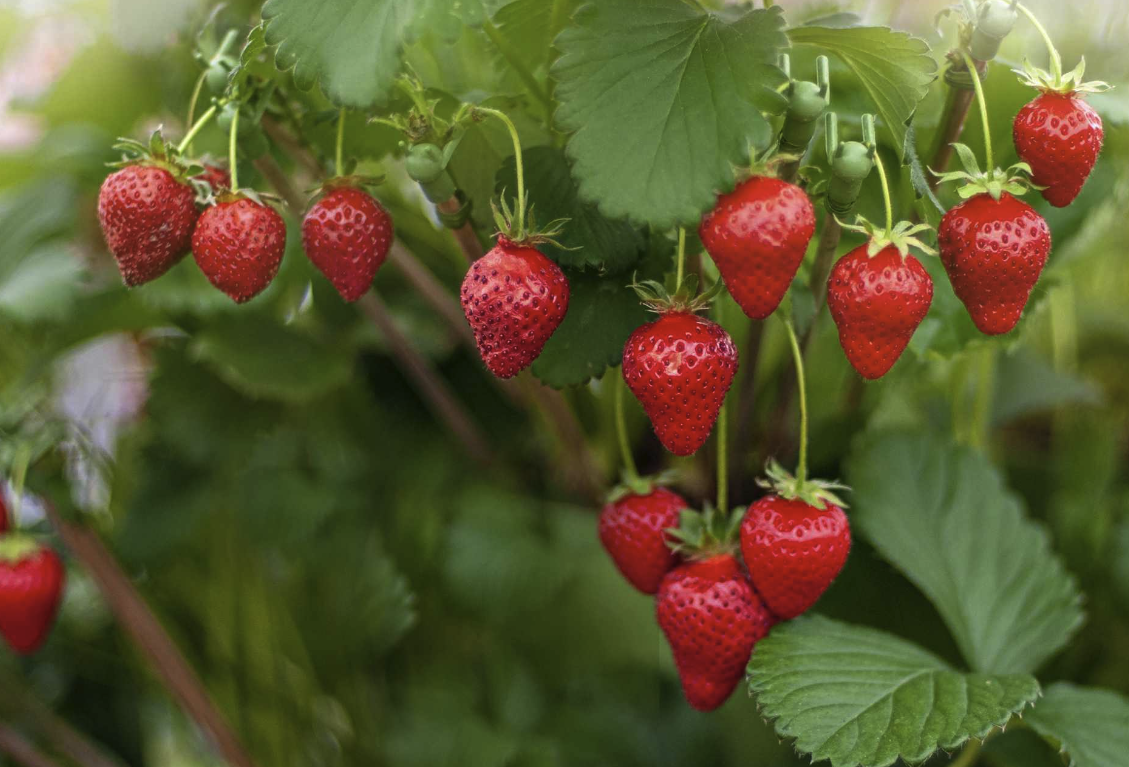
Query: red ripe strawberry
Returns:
{"type": "Point", "coordinates": [757, 235]}
{"type": "Point", "coordinates": [793, 550]}
{"type": "Point", "coordinates": [877, 303]}
{"type": "Point", "coordinates": [1059, 135]}
{"type": "Point", "coordinates": [347, 235]}
{"type": "Point", "coordinates": [680, 367]}
{"type": "Point", "coordinates": [218, 178]}
{"type": "Point", "coordinates": [31, 585]}
{"type": "Point", "coordinates": [238, 245]}
{"type": "Point", "coordinates": [633, 531]}
{"type": "Point", "coordinates": [712, 618]}
{"type": "Point", "coordinates": [514, 298]}
{"type": "Point", "coordinates": [147, 217]}
{"type": "Point", "coordinates": [993, 251]}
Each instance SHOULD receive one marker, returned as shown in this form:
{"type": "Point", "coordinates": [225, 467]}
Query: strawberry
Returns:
{"type": "Point", "coordinates": [238, 245]}
{"type": "Point", "coordinates": [347, 235]}
{"type": "Point", "coordinates": [712, 618]}
{"type": "Point", "coordinates": [147, 215]}
{"type": "Point", "coordinates": [31, 585]}
{"type": "Point", "coordinates": [514, 299]}
{"type": "Point", "coordinates": [877, 301]}
{"type": "Point", "coordinates": [633, 532]}
{"type": "Point", "coordinates": [993, 249]}
{"type": "Point", "coordinates": [216, 177]}
{"type": "Point", "coordinates": [1059, 135]}
{"type": "Point", "coordinates": [757, 235]}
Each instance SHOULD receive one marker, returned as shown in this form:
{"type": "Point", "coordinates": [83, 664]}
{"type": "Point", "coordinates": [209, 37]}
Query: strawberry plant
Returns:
{"type": "Point", "coordinates": [461, 436]}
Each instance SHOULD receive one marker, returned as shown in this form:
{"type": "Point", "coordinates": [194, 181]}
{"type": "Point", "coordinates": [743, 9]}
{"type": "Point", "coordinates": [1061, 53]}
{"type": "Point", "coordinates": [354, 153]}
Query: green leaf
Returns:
{"type": "Point", "coordinates": [942, 515]}
{"type": "Point", "coordinates": [264, 359]}
{"type": "Point", "coordinates": [1025, 383]}
{"type": "Point", "coordinates": [352, 49]}
{"type": "Point", "coordinates": [857, 696]}
{"type": "Point", "coordinates": [663, 99]}
{"type": "Point", "coordinates": [1090, 725]}
{"type": "Point", "coordinates": [42, 285]}
{"type": "Point", "coordinates": [895, 68]}
{"type": "Point", "coordinates": [531, 25]}
{"type": "Point", "coordinates": [602, 243]}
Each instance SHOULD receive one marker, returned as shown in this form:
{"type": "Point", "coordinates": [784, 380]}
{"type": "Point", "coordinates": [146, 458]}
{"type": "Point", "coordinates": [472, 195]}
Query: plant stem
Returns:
{"type": "Point", "coordinates": [1056, 61]}
{"type": "Point", "coordinates": [22, 751]}
{"type": "Point", "coordinates": [517, 159]}
{"type": "Point", "coordinates": [186, 142]}
{"type": "Point", "coordinates": [621, 429]}
{"type": "Point", "coordinates": [968, 755]}
{"type": "Point", "coordinates": [723, 458]}
{"type": "Point", "coordinates": [798, 359]}
{"type": "Point", "coordinates": [821, 267]}
{"type": "Point", "coordinates": [968, 62]}
{"type": "Point", "coordinates": [680, 268]}
{"type": "Point", "coordinates": [192, 102]}
{"type": "Point", "coordinates": [982, 403]}
{"type": "Point", "coordinates": [19, 478]}
{"type": "Point", "coordinates": [338, 161]}
{"type": "Point", "coordinates": [885, 192]}
{"type": "Point", "coordinates": [231, 153]}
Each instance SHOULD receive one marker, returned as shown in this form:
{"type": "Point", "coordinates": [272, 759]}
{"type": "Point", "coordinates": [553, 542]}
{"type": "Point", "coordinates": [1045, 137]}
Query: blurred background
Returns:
{"type": "Point", "coordinates": [350, 587]}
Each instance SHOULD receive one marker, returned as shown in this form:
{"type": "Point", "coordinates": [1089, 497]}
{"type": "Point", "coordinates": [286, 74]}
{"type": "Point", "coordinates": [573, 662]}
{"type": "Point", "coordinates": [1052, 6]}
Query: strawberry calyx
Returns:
{"type": "Point", "coordinates": [1066, 84]}
{"type": "Point", "coordinates": [157, 153]}
{"type": "Point", "coordinates": [635, 485]}
{"type": "Point", "coordinates": [260, 198]}
{"type": "Point", "coordinates": [903, 236]}
{"type": "Point", "coordinates": [706, 533]}
{"type": "Point", "coordinates": [1016, 180]}
{"type": "Point", "coordinates": [520, 228]}
{"type": "Point", "coordinates": [685, 299]}
{"type": "Point", "coordinates": [814, 492]}
{"type": "Point", "coordinates": [16, 547]}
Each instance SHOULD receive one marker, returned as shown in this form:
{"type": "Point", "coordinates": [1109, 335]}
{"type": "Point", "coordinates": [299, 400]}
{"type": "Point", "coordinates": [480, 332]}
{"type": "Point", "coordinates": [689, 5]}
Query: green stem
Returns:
{"type": "Point", "coordinates": [968, 755]}
{"type": "Point", "coordinates": [19, 479]}
{"type": "Point", "coordinates": [680, 269]}
{"type": "Point", "coordinates": [192, 101]}
{"type": "Point", "coordinates": [520, 229]}
{"type": "Point", "coordinates": [231, 153]}
{"type": "Point", "coordinates": [629, 468]}
{"type": "Point", "coordinates": [798, 358]}
{"type": "Point", "coordinates": [885, 192]}
{"type": "Point", "coordinates": [723, 458]}
{"type": "Point", "coordinates": [1056, 61]}
{"type": "Point", "coordinates": [186, 142]}
{"type": "Point", "coordinates": [983, 104]}
{"type": "Point", "coordinates": [338, 161]}
{"type": "Point", "coordinates": [228, 39]}
{"type": "Point", "coordinates": [982, 404]}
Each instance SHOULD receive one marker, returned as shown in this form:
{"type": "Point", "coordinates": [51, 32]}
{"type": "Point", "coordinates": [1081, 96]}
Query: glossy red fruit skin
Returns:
{"type": "Point", "coordinates": [147, 218]}
{"type": "Point", "coordinates": [514, 299]}
{"type": "Point", "coordinates": [347, 235]}
{"type": "Point", "coordinates": [712, 618]}
{"type": "Point", "coordinates": [218, 178]}
{"type": "Point", "coordinates": [993, 252]}
{"type": "Point", "coordinates": [679, 367]}
{"type": "Point", "coordinates": [1060, 136]}
{"type": "Point", "coordinates": [793, 551]}
{"type": "Point", "coordinates": [757, 235]}
{"type": "Point", "coordinates": [30, 590]}
{"type": "Point", "coordinates": [632, 530]}
{"type": "Point", "coordinates": [877, 303]}
{"type": "Point", "coordinates": [238, 245]}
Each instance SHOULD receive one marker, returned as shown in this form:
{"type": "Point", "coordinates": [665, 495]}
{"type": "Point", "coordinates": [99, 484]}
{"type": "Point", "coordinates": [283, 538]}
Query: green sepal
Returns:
{"type": "Point", "coordinates": [523, 230]}
{"type": "Point", "coordinates": [1071, 82]}
{"type": "Point", "coordinates": [636, 485]}
{"type": "Point", "coordinates": [902, 236]}
{"type": "Point", "coordinates": [657, 298]}
{"type": "Point", "coordinates": [155, 153]}
{"type": "Point", "coordinates": [814, 492]}
{"type": "Point", "coordinates": [1016, 179]}
{"type": "Point", "coordinates": [15, 547]}
{"type": "Point", "coordinates": [706, 533]}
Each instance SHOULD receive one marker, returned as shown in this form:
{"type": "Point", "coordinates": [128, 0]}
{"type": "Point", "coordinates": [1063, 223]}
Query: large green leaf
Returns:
{"type": "Point", "coordinates": [894, 68]}
{"type": "Point", "coordinates": [589, 239]}
{"type": "Point", "coordinates": [1090, 725]}
{"type": "Point", "coordinates": [857, 696]}
{"type": "Point", "coordinates": [942, 515]}
{"type": "Point", "coordinates": [264, 359]}
{"type": "Point", "coordinates": [663, 100]}
{"type": "Point", "coordinates": [352, 49]}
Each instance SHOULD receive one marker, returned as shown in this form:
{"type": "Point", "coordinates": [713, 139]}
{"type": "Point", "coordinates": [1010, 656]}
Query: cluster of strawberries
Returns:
{"type": "Point", "coordinates": [150, 213]}
{"type": "Point", "coordinates": [31, 586]}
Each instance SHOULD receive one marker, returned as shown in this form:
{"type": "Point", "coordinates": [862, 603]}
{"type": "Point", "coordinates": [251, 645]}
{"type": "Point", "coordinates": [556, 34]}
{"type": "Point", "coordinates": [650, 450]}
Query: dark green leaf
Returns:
{"type": "Point", "coordinates": [663, 99]}
{"type": "Point", "coordinates": [942, 515]}
{"type": "Point", "coordinates": [612, 246]}
{"type": "Point", "coordinates": [894, 68]}
{"type": "Point", "coordinates": [1090, 725]}
{"type": "Point", "coordinates": [857, 696]}
{"type": "Point", "coordinates": [352, 49]}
